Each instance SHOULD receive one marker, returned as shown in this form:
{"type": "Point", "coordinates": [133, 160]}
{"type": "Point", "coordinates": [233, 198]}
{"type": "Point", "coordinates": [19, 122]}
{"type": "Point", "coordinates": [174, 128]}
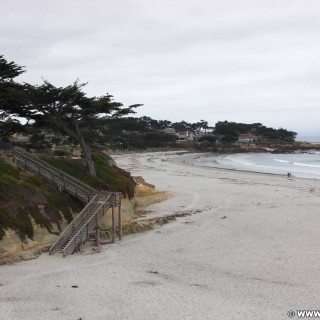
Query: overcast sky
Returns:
{"type": "Point", "coordinates": [235, 60]}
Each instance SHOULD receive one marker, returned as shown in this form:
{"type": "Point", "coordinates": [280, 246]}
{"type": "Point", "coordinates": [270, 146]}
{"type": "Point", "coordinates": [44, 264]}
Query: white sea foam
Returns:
{"type": "Point", "coordinates": [304, 165]}
{"type": "Point", "coordinates": [282, 161]}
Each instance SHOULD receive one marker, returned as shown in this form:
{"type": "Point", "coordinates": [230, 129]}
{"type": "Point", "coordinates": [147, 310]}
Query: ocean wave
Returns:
{"type": "Point", "coordinates": [306, 165]}
{"type": "Point", "coordinates": [282, 161]}
{"type": "Point", "coordinates": [238, 159]}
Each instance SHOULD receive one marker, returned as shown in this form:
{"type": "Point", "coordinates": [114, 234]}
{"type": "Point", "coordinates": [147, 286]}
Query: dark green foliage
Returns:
{"type": "Point", "coordinates": [9, 70]}
{"type": "Point", "coordinates": [74, 168]}
{"type": "Point", "coordinates": [7, 169]}
{"type": "Point", "coordinates": [141, 133]}
{"type": "Point", "coordinates": [61, 202]}
{"type": "Point", "coordinates": [10, 98]}
{"type": "Point", "coordinates": [181, 126]}
{"type": "Point", "coordinates": [152, 139]}
{"type": "Point", "coordinates": [61, 153]}
{"type": "Point", "coordinates": [196, 126]}
{"type": "Point", "coordinates": [131, 133]}
{"type": "Point", "coordinates": [127, 124]}
{"type": "Point", "coordinates": [69, 110]}
{"type": "Point", "coordinates": [33, 180]}
{"type": "Point", "coordinates": [112, 178]}
{"type": "Point", "coordinates": [37, 138]}
{"type": "Point", "coordinates": [229, 137]}
{"type": "Point", "coordinates": [24, 222]}
{"type": "Point", "coordinates": [109, 178]}
{"type": "Point", "coordinates": [229, 131]}
{"type": "Point", "coordinates": [209, 138]}
{"type": "Point", "coordinates": [158, 139]}
{"type": "Point", "coordinates": [20, 197]}
{"type": "Point", "coordinates": [9, 90]}
{"type": "Point", "coordinates": [134, 133]}
{"type": "Point", "coordinates": [9, 127]}
{"type": "Point", "coordinates": [66, 109]}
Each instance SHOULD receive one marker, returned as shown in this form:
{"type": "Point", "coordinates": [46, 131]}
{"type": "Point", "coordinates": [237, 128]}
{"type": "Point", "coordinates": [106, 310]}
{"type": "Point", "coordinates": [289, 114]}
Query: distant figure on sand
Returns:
{"type": "Point", "coordinates": [289, 174]}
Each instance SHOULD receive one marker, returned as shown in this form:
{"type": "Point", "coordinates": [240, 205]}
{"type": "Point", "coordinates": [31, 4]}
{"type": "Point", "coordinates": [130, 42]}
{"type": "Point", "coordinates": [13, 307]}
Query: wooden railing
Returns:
{"type": "Point", "coordinates": [80, 236]}
{"type": "Point", "coordinates": [74, 225]}
{"type": "Point", "coordinates": [61, 179]}
{"type": "Point", "coordinates": [97, 203]}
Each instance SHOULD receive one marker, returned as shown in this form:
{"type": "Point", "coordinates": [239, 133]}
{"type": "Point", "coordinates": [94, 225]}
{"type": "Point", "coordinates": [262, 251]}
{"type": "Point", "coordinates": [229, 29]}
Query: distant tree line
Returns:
{"type": "Point", "coordinates": [230, 131]}
{"type": "Point", "coordinates": [93, 121]}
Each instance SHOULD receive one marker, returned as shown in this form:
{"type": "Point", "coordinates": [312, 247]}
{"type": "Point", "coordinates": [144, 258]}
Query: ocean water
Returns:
{"type": "Point", "coordinates": [313, 139]}
{"type": "Point", "coordinates": [302, 165]}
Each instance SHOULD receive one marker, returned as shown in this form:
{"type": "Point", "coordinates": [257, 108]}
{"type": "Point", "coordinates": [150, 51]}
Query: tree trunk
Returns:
{"type": "Point", "coordinates": [77, 135]}
{"type": "Point", "coordinates": [87, 156]}
{"type": "Point", "coordinates": [87, 153]}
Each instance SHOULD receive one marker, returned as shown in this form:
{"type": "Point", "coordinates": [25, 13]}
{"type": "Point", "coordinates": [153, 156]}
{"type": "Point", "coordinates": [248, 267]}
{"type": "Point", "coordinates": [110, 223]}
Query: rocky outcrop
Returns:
{"type": "Point", "coordinates": [139, 180]}
{"type": "Point", "coordinates": [147, 224]}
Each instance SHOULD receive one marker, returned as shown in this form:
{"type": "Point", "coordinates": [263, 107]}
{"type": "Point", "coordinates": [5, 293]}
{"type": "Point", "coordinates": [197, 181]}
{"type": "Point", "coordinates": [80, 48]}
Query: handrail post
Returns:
{"type": "Point", "coordinates": [97, 232]}
{"type": "Point", "coordinates": [120, 218]}
{"type": "Point", "coordinates": [113, 224]}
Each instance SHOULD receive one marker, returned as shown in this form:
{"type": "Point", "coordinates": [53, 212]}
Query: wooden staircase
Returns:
{"type": "Point", "coordinates": [97, 203]}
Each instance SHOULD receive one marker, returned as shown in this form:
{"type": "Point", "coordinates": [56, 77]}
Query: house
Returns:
{"type": "Point", "coordinates": [186, 136]}
{"type": "Point", "coordinates": [245, 138]}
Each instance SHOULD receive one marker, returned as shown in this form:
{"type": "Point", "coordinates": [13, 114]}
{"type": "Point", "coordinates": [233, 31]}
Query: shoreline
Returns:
{"type": "Point", "coordinates": [247, 253]}
{"type": "Point", "coordinates": [222, 167]}
{"type": "Point", "coordinates": [210, 153]}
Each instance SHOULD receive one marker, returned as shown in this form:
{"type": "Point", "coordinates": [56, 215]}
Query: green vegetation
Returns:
{"type": "Point", "coordinates": [22, 194]}
{"type": "Point", "coordinates": [143, 140]}
{"type": "Point", "coordinates": [92, 121]}
{"type": "Point", "coordinates": [20, 198]}
{"type": "Point", "coordinates": [141, 133]}
{"type": "Point", "coordinates": [229, 132]}
{"type": "Point", "coordinates": [110, 178]}
{"type": "Point", "coordinates": [65, 109]}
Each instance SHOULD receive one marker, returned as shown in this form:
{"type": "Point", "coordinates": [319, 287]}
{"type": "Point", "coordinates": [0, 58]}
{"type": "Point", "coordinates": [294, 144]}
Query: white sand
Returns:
{"type": "Point", "coordinates": [257, 263]}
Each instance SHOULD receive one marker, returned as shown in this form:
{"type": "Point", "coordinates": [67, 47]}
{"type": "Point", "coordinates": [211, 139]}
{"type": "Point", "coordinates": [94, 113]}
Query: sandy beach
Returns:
{"type": "Point", "coordinates": [248, 251]}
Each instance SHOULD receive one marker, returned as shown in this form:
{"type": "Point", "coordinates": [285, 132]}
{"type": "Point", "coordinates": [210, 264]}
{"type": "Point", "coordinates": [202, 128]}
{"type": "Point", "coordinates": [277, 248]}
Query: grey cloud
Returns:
{"type": "Point", "coordinates": [237, 59]}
